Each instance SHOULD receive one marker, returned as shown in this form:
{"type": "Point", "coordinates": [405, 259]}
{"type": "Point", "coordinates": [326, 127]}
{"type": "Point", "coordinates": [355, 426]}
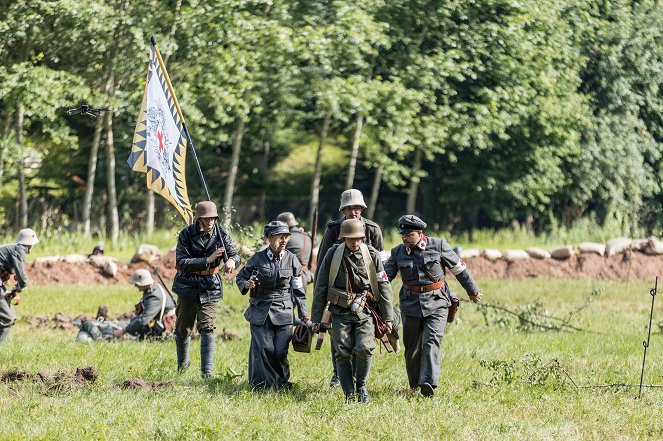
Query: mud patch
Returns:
{"type": "Point", "coordinates": [53, 381]}
{"type": "Point", "coordinates": [140, 384]}
{"type": "Point", "coordinates": [228, 336]}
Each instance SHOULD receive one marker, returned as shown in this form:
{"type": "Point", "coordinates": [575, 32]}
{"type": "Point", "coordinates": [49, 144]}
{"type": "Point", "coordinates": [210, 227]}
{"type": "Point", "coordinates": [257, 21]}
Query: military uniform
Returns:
{"type": "Point", "coordinates": [373, 236]}
{"type": "Point", "coordinates": [150, 306]}
{"type": "Point", "coordinates": [270, 313]}
{"type": "Point", "coordinates": [12, 258]}
{"type": "Point", "coordinates": [425, 300]}
{"type": "Point", "coordinates": [300, 244]}
{"type": "Point", "coordinates": [353, 333]}
{"type": "Point", "coordinates": [199, 289]}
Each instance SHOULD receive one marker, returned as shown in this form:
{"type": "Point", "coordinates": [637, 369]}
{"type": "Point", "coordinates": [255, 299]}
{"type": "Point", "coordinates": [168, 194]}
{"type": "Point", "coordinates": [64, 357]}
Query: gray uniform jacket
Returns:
{"type": "Point", "coordinates": [151, 306]}
{"type": "Point", "coordinates": [435, 255]}
{"type": "Point", "coordinates": [191, 256]}
{"type": "Point", "coordinates": [300, 245]}
{"type": "Point", "coordinates": [12, 258]}
{"type": "Point", "coordinates": [360, 277]}
{"type": "Point", "coordinates": [279, 284]}
{"type": "Point", "coordinates": [373, 237]}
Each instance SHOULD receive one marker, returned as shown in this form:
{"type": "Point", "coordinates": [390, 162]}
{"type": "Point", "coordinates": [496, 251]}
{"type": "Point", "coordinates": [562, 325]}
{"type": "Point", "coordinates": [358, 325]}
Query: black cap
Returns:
{"type": "Point", "coordinates": [276, 227]}
{"type": "Point", "coordinates": [409, 223]}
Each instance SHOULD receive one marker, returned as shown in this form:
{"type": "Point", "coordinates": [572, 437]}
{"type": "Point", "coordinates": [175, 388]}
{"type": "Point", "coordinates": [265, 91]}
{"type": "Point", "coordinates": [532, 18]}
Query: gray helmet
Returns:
{"type": "Point", "coordinates": [352, 197]}
{"type": "Point", "coordinates": [276, 227]}
{"type": "Point", "coordinates": [142, 277]}
{"type": "Point", "coordinates": [352, 228]}
{"type": "Point", "coordinates": [205, 209]}
{"type": "Point", "coordinates": [27, 236]}
{"type": "Point", "coordinates": [288, 218]}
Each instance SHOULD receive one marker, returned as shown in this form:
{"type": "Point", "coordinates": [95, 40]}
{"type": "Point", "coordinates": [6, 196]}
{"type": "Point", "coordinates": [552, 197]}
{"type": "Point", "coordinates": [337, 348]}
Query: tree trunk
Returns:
{"type": "Point", "coordinates": [91, 173]}
{"type": "Point", "coordinates": [110, 179]}
{"type": "Point", "coordinates": [315, 185]}
{"type": "Point", "coordinates": [354, 152]}
{"type": "Point", "coordinates": [264, 168]}
{"type": "Point", "coordinates": [414, 182]}
{"type": "Point", "coordinates": [22, 193]}
{"type": "Point", "coordinates": [149, 220]}
{"type": "Point", "coordinates": [232, 173]}
{"type": "Point", "coordinates": [6, 133]}
{"type": "Point", "coordinates": [375, 191]}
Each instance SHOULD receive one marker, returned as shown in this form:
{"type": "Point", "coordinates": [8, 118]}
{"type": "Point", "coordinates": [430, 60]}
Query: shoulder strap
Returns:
{"type": "Point", "coordinates": [163, 301]}
{"type": "Point", "coordinates": [335, 265]}
{"type": "Point", "coordinates": [372, 271]}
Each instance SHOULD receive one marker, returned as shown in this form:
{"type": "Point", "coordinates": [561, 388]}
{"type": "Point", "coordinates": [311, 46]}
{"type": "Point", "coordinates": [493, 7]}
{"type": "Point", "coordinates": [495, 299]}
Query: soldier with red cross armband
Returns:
{"type": "Point", "coordinates": [425, 298]}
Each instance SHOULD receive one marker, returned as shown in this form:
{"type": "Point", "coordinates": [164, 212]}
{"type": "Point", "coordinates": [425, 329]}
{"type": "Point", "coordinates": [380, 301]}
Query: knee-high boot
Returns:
{"type": "Point", "coordinates": [182, 345]}
{"type": "Point", "coordinates": [207, 348]}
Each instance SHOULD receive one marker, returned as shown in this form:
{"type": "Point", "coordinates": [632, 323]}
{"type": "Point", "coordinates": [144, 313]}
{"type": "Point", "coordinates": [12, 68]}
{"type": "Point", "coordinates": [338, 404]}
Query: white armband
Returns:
{"type": "Point", "coordinates": [297, 283]}
{"type": "Point", "coordinates": [458, 268]}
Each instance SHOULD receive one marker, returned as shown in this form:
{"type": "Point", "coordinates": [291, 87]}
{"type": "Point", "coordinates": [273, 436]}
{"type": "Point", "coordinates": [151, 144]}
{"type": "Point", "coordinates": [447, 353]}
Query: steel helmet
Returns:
{"type": "Point", "coordinates": [27, 236]}
{"type": "Point", "coordinates": [142, 277]}
{"type": "Point", "coordinates": [205, 209]}
{"type": "Point", "coordinates": [353, 228]}
{"type": "Point", "coordinates": [352, 197]}
{"type": "Point", "coordinates": [288, 218]}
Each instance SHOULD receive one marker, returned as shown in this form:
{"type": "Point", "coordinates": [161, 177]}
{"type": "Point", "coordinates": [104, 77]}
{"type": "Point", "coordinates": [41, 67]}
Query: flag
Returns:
{"type": "Point", "coordinates": [160, 141]}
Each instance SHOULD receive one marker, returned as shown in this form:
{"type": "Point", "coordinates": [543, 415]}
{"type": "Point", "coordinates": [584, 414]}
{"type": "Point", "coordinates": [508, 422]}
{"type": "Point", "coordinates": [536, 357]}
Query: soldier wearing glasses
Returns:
{"type": "Point", "coordinates": [425, 298]}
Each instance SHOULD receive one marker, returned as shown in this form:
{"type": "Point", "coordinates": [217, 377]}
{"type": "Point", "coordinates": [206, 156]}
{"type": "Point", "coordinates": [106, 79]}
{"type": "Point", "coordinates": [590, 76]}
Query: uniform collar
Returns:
{"type": "Point", "coordinates": [273, 256]}
{"type": "Point", "coordinates": [421, 245]}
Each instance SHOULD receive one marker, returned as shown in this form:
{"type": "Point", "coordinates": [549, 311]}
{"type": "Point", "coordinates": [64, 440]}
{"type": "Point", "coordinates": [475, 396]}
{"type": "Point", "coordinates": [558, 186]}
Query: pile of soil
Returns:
{"type": "Point", "coordinates": [59, 380]}
{"type": "Point", "coordinates": [632, 265]}
{"type": "Point", "coordinates": [140, 384]}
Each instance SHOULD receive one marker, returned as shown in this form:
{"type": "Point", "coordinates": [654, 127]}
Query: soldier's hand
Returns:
{"type": "Point", "coordinates": [215, 255]}
{"type": "Point", "coordinates": [390, 327]}
{"type": "Point", "coordinates": [250, 284]}
{"type": "Point", "coordinates": [17, 298]}
{"type": "Point", "coordinates": [230, 266]}
{"type": "Point", "coordinates": [315, 327]}
{"type": "Point", "coordinates": [476, 297]}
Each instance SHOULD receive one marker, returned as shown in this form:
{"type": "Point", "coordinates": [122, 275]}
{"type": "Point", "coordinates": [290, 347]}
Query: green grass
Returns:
{"type": "Point", "coordinates": [225, 408]}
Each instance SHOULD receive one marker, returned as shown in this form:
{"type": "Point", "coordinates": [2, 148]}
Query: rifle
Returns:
{"type": "Point", "coordinates": [158, 273]}
{"type": "Point", "coordinates": [314, 230]}
{"type": "Point", "coordinates": [325, 325]}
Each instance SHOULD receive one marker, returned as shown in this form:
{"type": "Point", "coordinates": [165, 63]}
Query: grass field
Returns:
{"type": "Point", "coordinates": [498, 382]}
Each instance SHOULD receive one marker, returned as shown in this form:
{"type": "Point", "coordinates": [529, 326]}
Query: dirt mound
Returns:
{"type": "Point", "coordinates": [627, 266]}
{"type": "Point", "coordinates": [53, 381]}
{"type": "Point", "coordinates": [632, 265]}
{"type": "Point", "coordinates": [140, 384]}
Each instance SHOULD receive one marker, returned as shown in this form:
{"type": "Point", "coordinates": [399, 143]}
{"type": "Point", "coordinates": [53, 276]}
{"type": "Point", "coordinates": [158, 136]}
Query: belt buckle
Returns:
{"type": "Point", "coordinates": [422, 288]}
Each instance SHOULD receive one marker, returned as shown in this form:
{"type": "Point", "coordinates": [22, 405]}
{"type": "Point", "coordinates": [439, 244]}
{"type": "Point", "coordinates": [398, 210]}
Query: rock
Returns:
{"type": "Point", "coordinates": [617, 246]}
{"type": "Point", "coordinates": [562, 253]}
{"type": "Point", "coordinates": [592, 248]}
{"type": "Point", "coordinates": [537, 253]}
{"type": "Point", "coordinates": [146, 253]}
{"type": "Point", "coordinates": [74, 258]}
{"type": "Point", "coordinates": [468, 254]}
{"type": "Point", "coordinates": [492, 254]}
{"type": "Point", "coordinates": [513, 255]}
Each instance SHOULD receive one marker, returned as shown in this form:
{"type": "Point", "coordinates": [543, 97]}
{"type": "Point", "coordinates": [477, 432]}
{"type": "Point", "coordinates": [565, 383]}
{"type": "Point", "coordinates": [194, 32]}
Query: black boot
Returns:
{"type": "Point", "coordinates": [363, 366]}
{"type": "Point", "coordinates": [207, 348]}
{"type": "Point", "coordinates": [345, 377]}
{"type": "Point", "coordinates": [182, 345]}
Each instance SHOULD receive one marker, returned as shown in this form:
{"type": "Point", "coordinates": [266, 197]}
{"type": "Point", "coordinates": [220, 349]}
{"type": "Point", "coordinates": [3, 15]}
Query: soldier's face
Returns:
{"type": "Point", "coordinates": [206, 223]}
{"type": "Point", "coordinates": [353, 243]}
{"type": "Point", "coordinates": [278, 243]}
{"type": "Point", "coordinates": [353, 211]}
{"type": "Point", "coordinates": [412, 238]}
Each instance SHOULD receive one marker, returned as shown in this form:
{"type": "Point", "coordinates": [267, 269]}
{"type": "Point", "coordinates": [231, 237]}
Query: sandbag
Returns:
{"type": "Point", "coordinates": [492, 254]}
{"type": "Point", "coordinates": [48, 259]}
{"type": "Point", "coordinates": [468, 254]}
{"type": "Point", "coordinates": [537, 253]}
{"type": "Point", "coordinates": [654, 246]}
{"type": "Point", "coordinates": [74, 258]}
{"type": "Point", "coordinates": [592, 248]}
{"type": "Point", "coordinates": [146, 253]}
{"type": "Point", "coordinates": [639, 244]}
{"type": "Point", "coordinates": [513, 255]}
{"type": "Point", "coordinates": [617, 246]}
{"type": "Point", "coordinates": [562, 253]}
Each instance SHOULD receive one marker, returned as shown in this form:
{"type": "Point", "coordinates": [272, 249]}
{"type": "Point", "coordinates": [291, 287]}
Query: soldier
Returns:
{"type": "Point", "coordinates": [352, 204]}
{"type": "Point", "coordinates": [273, 276]}
{"type": "Point", "coordinates": [300, 244]}
{"type": "Point", "coordinates": [200, 251]}
{"type": "Point", "coordinates": [349, 273]}
{"type": "Point", "coordinates": [12, 262]}
{"type": "Point", "coordinates": [155, 313]}
{"type": "Point", "coordinates": [425, 298]}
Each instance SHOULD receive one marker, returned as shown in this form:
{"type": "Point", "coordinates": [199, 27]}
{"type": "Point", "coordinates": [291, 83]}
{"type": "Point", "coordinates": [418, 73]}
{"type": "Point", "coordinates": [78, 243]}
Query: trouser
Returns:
{"type": "Point", "coordinates": [4, 332]}
{"type": "Point", "coordinates": [7, 314]}
{"type": "Point", "coordinates": [189, 311]}
{"type": "Point", "coordinates": [268, 355]}
{"type": "Point", "coordinates": [422, 337]}
{"type": "Point", "coordinates": [353, 336]}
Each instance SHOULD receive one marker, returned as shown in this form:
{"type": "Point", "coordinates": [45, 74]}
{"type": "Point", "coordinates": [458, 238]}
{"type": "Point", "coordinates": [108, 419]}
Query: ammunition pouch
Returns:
{"type": "Point", "coordinates": [340, 297]}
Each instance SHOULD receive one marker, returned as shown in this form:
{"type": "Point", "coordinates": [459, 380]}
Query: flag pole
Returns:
{"type": "Point", "coordinates": [188, 137]}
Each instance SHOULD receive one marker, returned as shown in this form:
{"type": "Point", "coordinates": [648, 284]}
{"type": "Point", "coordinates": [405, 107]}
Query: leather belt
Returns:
{"type": "Point", "coordinates": [208, 272]}
{"type": "Point", "coordinates": [425, 288]}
